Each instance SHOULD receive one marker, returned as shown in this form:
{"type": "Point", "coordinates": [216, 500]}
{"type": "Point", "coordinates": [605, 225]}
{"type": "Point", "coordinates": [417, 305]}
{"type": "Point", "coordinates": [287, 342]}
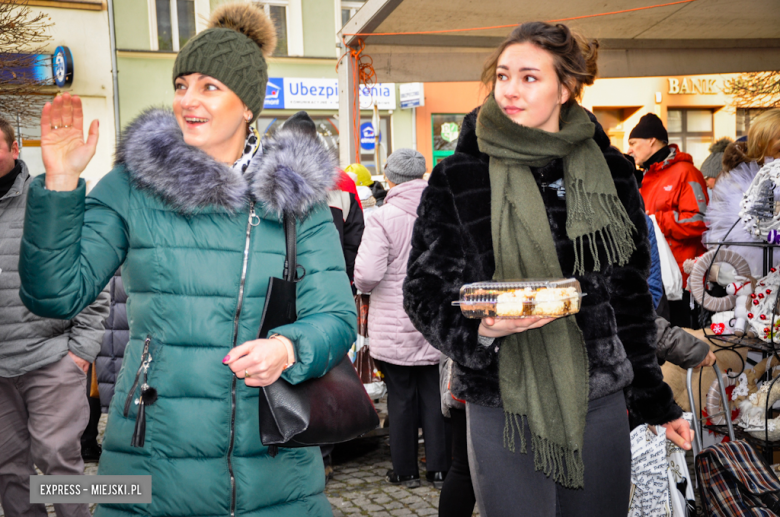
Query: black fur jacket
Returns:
{"type": "Point", "coordinates": [452, 246]}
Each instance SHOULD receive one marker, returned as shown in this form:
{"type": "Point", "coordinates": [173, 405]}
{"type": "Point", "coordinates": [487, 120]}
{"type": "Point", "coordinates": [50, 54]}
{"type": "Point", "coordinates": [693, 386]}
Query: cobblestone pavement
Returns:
{"type": "Point", "coordinates": [358, 486]}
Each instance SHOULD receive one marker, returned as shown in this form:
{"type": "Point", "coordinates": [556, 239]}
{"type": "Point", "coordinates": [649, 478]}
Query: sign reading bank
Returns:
{"type": "Point", "coordinates": [322, 94]}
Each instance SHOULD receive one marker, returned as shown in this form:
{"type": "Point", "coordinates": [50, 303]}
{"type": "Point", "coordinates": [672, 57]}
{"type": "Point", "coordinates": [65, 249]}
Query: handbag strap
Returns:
{"type": "Point", "coordinates": [290, 261]}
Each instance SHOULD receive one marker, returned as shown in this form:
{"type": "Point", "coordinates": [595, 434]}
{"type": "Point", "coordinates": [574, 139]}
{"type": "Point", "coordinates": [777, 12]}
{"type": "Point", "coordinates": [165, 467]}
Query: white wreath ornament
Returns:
{"type": "Point", "coordinates": [696, 279]}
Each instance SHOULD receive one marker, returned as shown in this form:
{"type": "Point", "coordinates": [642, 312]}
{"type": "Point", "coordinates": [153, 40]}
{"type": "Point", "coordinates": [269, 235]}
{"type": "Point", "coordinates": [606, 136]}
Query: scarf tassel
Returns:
{"type": "Point", "coordinates": [616, 234]}
{"type": "Point", "coordinates": [562, 464]}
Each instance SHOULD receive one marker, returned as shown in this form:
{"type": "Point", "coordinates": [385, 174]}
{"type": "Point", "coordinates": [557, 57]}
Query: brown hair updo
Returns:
{"type": "Point", "coordinates": [574, 56]}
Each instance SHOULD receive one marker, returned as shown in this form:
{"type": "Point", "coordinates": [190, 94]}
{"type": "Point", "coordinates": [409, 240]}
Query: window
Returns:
{"type": "Point", "coordinates": [744, 117]}
{"type": "Point", "coordinates": [445, 129]}
{"type": "Point", "coordinates": [691, 130]}
{"type": "Point", "coordinates": [175, 23]}
{"type": "Point", "coordinates": [277, 11]}
{"type": "Point", "coordinates": [348, 10]}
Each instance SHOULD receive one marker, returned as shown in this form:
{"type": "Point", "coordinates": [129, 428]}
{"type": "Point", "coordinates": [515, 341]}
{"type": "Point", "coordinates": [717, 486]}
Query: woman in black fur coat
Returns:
{"type": "Point", "coordinates": [558, 387]}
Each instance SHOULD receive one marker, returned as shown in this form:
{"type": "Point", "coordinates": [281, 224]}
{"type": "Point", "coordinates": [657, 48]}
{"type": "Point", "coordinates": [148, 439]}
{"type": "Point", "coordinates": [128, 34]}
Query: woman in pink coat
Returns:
{"type": "Point", "coordinates": [409, 363]}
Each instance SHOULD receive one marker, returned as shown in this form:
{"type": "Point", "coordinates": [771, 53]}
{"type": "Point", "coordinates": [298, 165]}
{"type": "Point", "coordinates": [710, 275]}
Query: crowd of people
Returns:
{"type": "Point", "coordinates": [163, 268]}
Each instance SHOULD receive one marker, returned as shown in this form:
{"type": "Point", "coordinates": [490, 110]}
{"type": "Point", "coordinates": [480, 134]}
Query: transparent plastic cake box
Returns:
{"type": "Point", "coordinates": [520, 299]}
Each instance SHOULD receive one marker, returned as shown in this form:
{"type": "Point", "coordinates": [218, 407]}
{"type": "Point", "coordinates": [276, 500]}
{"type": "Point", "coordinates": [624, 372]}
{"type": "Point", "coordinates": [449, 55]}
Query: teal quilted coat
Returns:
{"type": "Point", "coordinates": [197, 242]}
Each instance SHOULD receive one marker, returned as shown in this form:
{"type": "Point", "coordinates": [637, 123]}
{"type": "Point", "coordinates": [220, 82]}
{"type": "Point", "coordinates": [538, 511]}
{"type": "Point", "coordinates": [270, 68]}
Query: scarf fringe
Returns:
{"type": "Point", "coordinates": [560, 463]}
{"type": "Point", "coordinates": [514, 424]}
{"type": "Point", "coordinates": [615, 234]}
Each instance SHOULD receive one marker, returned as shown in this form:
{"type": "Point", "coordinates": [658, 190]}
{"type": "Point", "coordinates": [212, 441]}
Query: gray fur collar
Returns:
{"type": "Point", "coordinates": [293, 173]}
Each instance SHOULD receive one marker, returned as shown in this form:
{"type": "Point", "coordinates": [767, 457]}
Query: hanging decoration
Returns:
{"type": "Point", "coordinates": [726, 260]}
{"type": "Point", "coordinates": [763, 315]}
{"type": "Point", "coordinates": [758, 213]}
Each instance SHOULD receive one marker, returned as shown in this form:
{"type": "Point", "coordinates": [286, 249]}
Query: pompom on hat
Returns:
{"type": "Point", "coordinates": [233, 50]}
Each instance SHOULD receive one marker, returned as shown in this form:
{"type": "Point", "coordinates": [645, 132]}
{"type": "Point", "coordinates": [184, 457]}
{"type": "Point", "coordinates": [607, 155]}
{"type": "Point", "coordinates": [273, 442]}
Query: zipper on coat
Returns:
{"type": "Point", "coordinates": [254, 220]}
{"type": "Point", "coordinates": [143, 367]}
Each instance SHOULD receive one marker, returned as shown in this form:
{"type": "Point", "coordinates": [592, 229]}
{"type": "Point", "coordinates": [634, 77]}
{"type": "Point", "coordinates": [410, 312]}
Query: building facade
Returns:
{"type": "Point", "coordinates": [694, 109]}
{"type": "Point", "coordinates": [91, 76]}
{"type": "Point", "coordinates": [302, 72]}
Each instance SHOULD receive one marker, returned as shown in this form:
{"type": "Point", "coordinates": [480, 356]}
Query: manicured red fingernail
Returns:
{"type": "Point", "coordinates": [226, 359]}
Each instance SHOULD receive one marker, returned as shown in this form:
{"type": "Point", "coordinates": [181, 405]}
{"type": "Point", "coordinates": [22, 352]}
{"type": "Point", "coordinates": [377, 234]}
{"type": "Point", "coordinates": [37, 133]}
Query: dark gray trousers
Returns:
{"type": "Point", "coordinates": [507, 485]}
{"type": "Point", "coordinates": [42, 416]}
{"type": "Point", "coordinates": [413, 399]}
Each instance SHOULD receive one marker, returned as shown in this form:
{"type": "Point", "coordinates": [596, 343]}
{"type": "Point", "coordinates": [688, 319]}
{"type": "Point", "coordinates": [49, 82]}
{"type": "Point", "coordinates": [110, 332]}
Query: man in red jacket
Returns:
{"type": "Point", "coordinates": [675, 192]}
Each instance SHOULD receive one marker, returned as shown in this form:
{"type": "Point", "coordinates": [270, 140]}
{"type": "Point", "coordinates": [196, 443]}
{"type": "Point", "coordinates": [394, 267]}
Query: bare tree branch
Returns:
{"type": "Point", "coordinates": [756, 89]}
{"type": "Point", "coordinates": [23, 36]}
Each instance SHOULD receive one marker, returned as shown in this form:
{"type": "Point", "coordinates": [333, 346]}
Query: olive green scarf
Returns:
{"type": "Point", "coordinates": [543, 373]}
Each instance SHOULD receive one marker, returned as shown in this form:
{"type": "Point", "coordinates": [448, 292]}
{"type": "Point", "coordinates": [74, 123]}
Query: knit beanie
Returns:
{"type": "Point", "coordinates": [233, 50]}
{"type": "Point", "coordinates": [405, 165]}
{"type": "Point", "coordinates": [650, 126]}
{"type": "Point", "coordinates": [713, 164]}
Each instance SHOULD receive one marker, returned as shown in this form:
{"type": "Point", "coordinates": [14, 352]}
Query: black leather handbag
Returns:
{"type": "Point", "coordinates": [331, 409]}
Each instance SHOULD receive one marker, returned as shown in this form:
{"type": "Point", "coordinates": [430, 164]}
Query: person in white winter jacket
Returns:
{"type": "Point", "coordinates": [409, 363]}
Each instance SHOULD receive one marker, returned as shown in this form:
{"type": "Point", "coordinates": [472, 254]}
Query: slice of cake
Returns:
{"type": "Point", "coordinates": [515, 303]}
{"type": "Point", "coordinates": [554, 301]}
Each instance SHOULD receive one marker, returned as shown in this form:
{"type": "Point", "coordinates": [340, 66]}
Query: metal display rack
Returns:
{"type": "Point", "coordinates": [733, 342]}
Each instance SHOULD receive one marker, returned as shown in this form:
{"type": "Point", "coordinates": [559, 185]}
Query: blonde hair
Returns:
{"type": "Point", "coordinates": [763, 130]}
{"type": "Point", "coordinates": [574, 56]}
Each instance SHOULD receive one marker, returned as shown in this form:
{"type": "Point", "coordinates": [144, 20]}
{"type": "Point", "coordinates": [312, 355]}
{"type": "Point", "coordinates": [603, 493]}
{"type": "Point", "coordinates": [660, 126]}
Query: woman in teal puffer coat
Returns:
{"type": "Point", "coordinates": [192, 211]}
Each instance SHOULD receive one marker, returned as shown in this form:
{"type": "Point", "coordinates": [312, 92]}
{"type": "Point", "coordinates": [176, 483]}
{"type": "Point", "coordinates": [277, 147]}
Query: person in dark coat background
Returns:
{"type": "Point", "coordinates": [347, 215]}
{"type": "Point", "coordinates": [109, 360]}
{"type": "Point", "coordinates": [343, 201]}
{"type": "Point", "coordinates": [107, 365]}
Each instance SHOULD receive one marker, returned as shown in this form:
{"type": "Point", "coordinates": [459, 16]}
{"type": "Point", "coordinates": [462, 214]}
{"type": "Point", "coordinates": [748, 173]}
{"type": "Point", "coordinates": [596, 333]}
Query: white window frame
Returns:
{"type": "Point", "coordinates": [201, 6]}
{"type": "Point", "coordinates": [294, 24]}
{"type": "Point", "coordinates": [353, 6]}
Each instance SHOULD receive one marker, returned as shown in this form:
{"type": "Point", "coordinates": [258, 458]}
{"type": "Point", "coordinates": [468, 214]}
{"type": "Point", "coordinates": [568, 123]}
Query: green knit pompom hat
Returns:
{"type": "Point", "coordinates": [233, 50]}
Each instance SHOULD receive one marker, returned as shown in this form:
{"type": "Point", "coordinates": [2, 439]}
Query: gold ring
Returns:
{"type": "Point", "coordinates": [66, 125]}
{"type": "Point", "coordinates": [247, 374]}
{"type": "Point", "coordinates": [55, 127]}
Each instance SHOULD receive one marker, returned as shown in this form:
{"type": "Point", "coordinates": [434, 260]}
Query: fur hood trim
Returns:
{"type": "Point", "coordinates": [720, 145]}
{"type": "Point", "coordinates": [735, 154]}
{"type": "Point", "coordinates": [292, 173]}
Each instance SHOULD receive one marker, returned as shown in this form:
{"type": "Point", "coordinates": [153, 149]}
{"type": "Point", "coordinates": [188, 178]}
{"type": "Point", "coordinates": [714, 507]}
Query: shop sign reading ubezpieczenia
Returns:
{"type": "Point", "coordinates": [322, 94]}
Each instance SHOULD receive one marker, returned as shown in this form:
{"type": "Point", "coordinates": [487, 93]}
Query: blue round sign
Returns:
{"type": "Point", "coordinates": [62, 67]}
{"type": "Point", "coordinates": [367, 136]}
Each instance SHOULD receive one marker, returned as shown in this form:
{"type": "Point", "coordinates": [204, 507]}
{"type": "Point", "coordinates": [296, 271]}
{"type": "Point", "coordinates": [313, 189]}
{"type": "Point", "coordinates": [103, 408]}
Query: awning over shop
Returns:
{"type": "Point", "coordinates": [695, 37]}
{"type": "Point", "coordinates": [638, 38]}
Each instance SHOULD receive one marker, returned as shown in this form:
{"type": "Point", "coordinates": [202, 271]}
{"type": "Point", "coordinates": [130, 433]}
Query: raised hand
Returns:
{"type": "Point", "coordinates": [63, 149]}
